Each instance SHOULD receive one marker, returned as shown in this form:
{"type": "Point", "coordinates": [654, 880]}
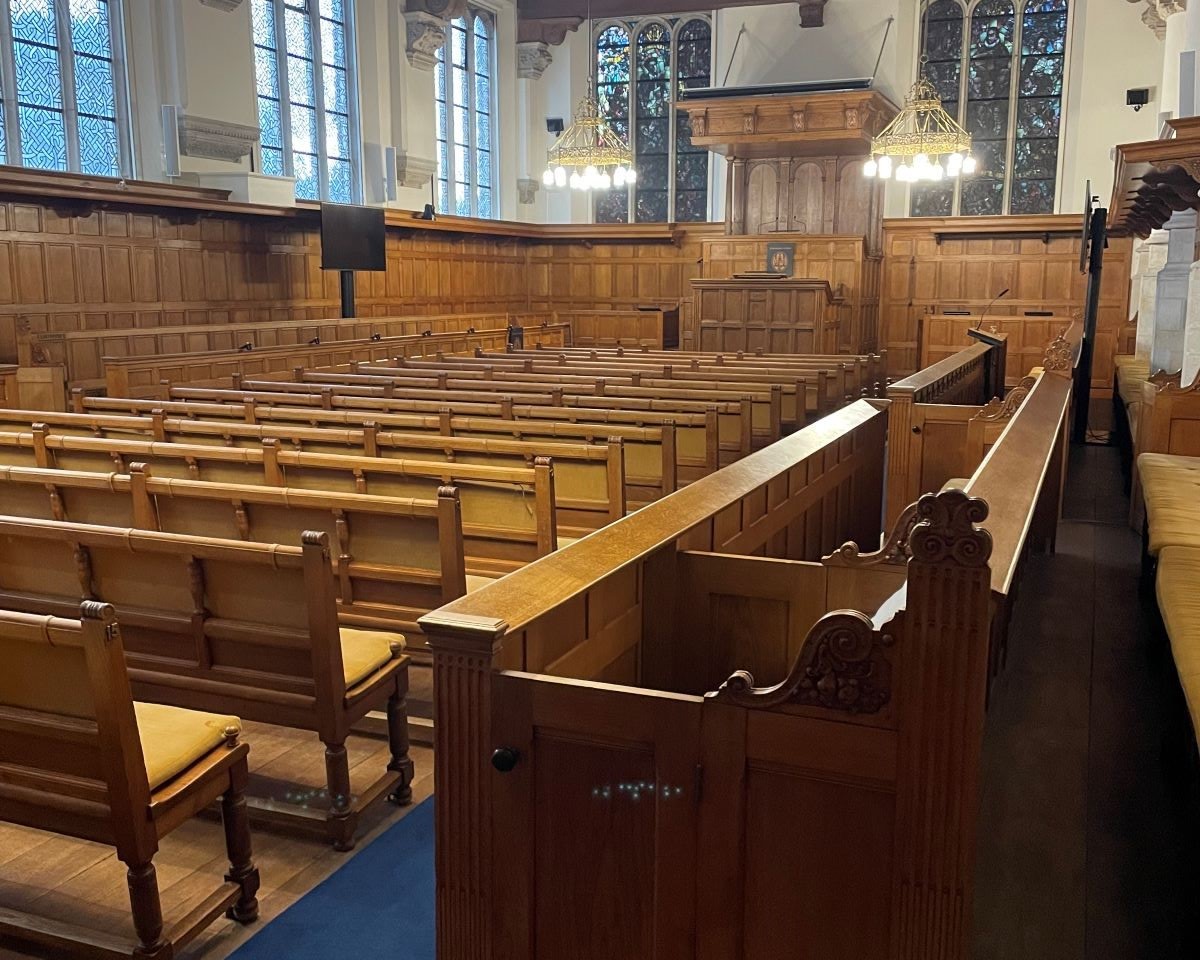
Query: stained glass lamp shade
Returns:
{"type": "Point", "coordinates": [923, 143]}
{"type": "Point", "coordinates": [590, 155]}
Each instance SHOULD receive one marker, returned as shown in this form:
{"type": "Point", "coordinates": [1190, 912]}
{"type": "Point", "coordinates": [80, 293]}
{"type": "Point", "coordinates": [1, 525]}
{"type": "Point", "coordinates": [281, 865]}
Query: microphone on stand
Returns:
{"type": "Point", "coordinates": [1003, 293]}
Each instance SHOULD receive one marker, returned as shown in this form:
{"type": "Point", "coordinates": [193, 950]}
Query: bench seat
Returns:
{"type": "Point", "coordinates": [174, 738]}
{"type": "Point", "coordinates": [365, 651]}
{"type": "Point", "coordinates": [1170, 486]}
{"type": "Point", "coordinates": [1179, 602]}
{"type": "Point", "coordinates": [1132, 372]}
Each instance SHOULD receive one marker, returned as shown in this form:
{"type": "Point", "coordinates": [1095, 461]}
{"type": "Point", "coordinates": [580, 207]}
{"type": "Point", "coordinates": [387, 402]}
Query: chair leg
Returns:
{"type": "Point", "coordinates": [342, 819]}
{"type": "Point", "coordinates": [147, 910]}
{"type": "Point", "coordinates": [242, 870]}
{"type": "Point", "coordinates": [397, 721]}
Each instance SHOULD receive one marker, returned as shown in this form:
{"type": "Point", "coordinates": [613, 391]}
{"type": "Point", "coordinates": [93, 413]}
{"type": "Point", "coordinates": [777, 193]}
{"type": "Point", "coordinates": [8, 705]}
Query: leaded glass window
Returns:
{"type": "Point", "coordinates": [464, 85]}
{"type": "Point", "coordinates": [999, 68]}
{"type": "Point", "coordinates": [640, 68]}
{"type": "Point", "coordinates": [303, 65]}
{"type": "Point", "coordinates": [63, 103]}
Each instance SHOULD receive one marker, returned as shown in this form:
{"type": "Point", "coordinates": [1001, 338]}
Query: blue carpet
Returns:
{"type": "Point", "coordinates": [380, 904]}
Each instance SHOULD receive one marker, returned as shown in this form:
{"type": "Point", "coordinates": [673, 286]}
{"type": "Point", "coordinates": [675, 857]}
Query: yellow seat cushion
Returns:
{"type": "Point", "coordinates": [1179, 602]}
{"type": "Point", "coordinates": [478, 583]}
{"type": "Point", "coordinates": [1171, 489]}
{"type": "Point", "coordinates": [1132, 373]}
{"type": "Point", "coordinates": [365, 651]}
{"type": "Point", "coordinates": [173, 738]}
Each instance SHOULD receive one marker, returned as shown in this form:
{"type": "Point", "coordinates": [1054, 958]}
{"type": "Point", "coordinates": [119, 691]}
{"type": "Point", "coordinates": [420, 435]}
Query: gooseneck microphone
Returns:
{"type": "Point", "coordinates": [1003, 293]}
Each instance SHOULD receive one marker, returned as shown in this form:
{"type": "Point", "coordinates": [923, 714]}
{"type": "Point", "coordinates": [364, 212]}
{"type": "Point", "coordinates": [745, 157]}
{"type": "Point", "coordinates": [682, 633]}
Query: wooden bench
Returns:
{"type": "Point", "coordinates": [80, 758]}
{"type": "Point", "coordinates": [702, 704]}
{"type": "Point", "coordinates": [508, 513]}
{"type": "Point", "coordinates": [396, 559]}
{"type": "Point", "coordinates": [81, 352]}
{"type": "Point", "coordinates": [1167, 421]}
{"type": "Point", "coordinates": [590, 478]}
{"type": "Point", "coordinates": [695, 435]}
{"type": "Point", "coordinates": [146, 376]}
{"type": "Point", "coordinates": [243, 628]}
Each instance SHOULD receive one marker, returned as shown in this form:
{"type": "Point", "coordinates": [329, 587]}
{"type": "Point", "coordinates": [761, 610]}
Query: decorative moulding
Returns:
{"type": "Point", "coordinates": [1157, 11]}
{"type": "Point", "coordinates": [549, 30]}
{"type": "Point", "coordinates": [527, 189]}
{"type": "Point", "coordinates": [426, 36]}
{"type": "Point", "coordinates": [413, 171]}
{"type": "Point", "coordinates": [533, 57]}
{"type": "Point", "coordinates": [216, 139]}
{"type": "Point", "coordinates": [226, 5]}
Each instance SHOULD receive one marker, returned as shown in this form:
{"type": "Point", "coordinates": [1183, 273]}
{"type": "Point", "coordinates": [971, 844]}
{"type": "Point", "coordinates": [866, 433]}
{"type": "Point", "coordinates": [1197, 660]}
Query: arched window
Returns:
{"type": "Point", "coordinates": [307, 106]}
{"type": "Point", "coordinates": [637, 82]}
{"type": "Point", "coordinates": [999, 69]}
{"type": "Point", "coordinates": [62, 86]}
{"type": "Point", "coordinates": [464, 90]}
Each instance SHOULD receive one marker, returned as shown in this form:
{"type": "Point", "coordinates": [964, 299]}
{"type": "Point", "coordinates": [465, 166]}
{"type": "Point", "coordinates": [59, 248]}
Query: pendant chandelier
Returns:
{"type": "Point", "coordinates": [923, 143]}
{"type": "Point", "coordinates": [590, 154]}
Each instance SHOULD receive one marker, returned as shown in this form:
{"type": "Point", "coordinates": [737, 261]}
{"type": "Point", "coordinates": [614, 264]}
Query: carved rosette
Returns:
{"type": "Point", "coordinates": [946, 530]}
{"type": "Point", "coordinates": [842, 666]}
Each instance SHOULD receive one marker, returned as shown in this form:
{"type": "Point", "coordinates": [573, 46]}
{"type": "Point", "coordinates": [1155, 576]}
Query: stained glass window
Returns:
{"type": "Point", "coordinates": [464, 89]}
{"type": "Point", "coordinates": [641, 66]}
{"type": "Point", "coordinates": [64, 104]}
{"type": "Point", "coordinates": [306, 100]}
{"type": "Point", "coordinates": [999, 69]}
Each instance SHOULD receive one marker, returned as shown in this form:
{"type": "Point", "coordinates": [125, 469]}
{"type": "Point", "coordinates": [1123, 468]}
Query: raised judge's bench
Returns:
{"type": "Point", "coordinates": [773, 315]}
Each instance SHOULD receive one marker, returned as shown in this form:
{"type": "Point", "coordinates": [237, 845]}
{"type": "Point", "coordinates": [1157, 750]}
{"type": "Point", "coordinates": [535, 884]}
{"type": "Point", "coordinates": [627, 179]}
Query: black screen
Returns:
{"type": "Point", "coordinates": [352, 238]}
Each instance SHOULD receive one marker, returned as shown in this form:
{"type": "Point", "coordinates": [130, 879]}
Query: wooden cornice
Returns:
{"type": "Point", "coordinates": [811, 11]}
{"type": "Point", "coordinates": [80, 195]}
{"type": "Point", "coordinates": [839, 123]}
{"type": "Point", "coordinates": [1155, 179]}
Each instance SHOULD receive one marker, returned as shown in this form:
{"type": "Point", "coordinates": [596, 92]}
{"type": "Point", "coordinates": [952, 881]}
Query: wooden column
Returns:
{"type": "Point", "coordinates": [941, 715]}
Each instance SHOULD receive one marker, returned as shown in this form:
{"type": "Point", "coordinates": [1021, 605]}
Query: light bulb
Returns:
{"type": "Point", "coordinates": [631, 176]}
{"type": "Point", "coordinates": [870, 168]}
{"type": "Point", "coordinates": [955, 161]}
{"type": "Point", "coordinates": [969, 165]}
{"type": "Point", "coordinates": [605, 181]}
{"type": "Point", "coordinates": [936, 173]}
{"type": "Point", "coordinates": [921, 161]}
{"type": "Point", "coordinates": [548, 177]}
{"type": "Point", "coordinates": [903, 173]}
{"type": "Point", "coordinates": [576, 181]}
{"type": "Point", "coordinates": [619, 177]}
{"type": "Point", "coordinates": [885, 174]}
{"type": "Point", "coordinates": [591, 172]}
{"type": "Point", "coordinates": [560, 176]}
{"type": "Point", "coordinates": [885, 166]}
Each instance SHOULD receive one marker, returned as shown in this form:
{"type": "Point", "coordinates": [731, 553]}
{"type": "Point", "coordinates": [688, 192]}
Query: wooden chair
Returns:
{"type": "Point", "coordinates": [82, 759]}
{"type": "Point", "coordinates": [248, 628]}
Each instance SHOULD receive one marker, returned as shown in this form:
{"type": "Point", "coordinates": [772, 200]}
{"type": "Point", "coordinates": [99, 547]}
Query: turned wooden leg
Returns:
{"type": "Point", "coordinates": [147, 909]}
{"type": "Point", "coordinates": [242, 870]}
{"type": "Point", "coordinates": [401, 763]}
{"type": "Point", "coordinates": [342, 819]}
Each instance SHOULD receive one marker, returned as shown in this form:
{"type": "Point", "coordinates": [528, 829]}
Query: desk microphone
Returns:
{"type": "Point", "coordinates": [1000, 295]}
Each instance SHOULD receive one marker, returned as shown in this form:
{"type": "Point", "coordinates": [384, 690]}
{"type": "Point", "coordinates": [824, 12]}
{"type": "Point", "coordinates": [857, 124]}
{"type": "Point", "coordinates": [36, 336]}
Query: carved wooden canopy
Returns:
{"type": "Point", "coordinates": [1154, 179]}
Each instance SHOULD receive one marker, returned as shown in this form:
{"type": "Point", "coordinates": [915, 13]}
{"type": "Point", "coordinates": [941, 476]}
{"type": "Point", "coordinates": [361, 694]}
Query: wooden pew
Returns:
{"type": "Point", "coordinates": [83, 760]}
{"type": "Point", "coordinates": [695, 435]}
{"type": "Point", "coordinates": [243, 628]}
{"type": "Point", "coordinates": [1168, 422]}
{"type": "Point", "coordinates": [81, 352]}
{"type": "Point", "coordinates": [508, 514]}
{"type": "Point", "coordinates": [703, 707]}
{"type": "Point", "coordinates": [396, 559]}
{"type": "Point", "coordinates": [928, 420]}
{"type": "Point", "coordinates": [140, 377]}
{"type": "Point", "coordinates": [590, 478]}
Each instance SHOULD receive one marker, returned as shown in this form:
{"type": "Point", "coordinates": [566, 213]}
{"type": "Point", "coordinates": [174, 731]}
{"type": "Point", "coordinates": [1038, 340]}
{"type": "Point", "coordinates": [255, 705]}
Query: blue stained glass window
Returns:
{"type": "Point", "coordinates": [1009, 59]}
{"type": "Point", "coordinates": [638, 83]}
{"type": "Point", "coordinates": [63, 113]}
{"type": "Point", "coordinates": [306, 105]}
{"type": "Point", "coordinates": [463, 91]}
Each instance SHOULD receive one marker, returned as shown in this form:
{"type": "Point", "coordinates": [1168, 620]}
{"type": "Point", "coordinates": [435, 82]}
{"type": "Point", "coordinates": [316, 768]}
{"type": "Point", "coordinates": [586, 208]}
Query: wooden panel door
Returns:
{"type": "Point", "coordinates": [594, 825]}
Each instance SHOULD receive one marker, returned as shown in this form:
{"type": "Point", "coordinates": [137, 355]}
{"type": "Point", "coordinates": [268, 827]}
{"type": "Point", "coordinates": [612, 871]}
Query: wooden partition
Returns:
{"type": "Point", "coordinates": [778, 316]}
{"type": "Point", "coordinates": [1027, 338]}
{"type": "Point", "coordinates": [587, 616]}
{"type": "Point", "coordinates": [722, 746]}
{"type": "Point", "coordinates": [928, 420]}
{"type": "Point", "coordinates": [631, 328]}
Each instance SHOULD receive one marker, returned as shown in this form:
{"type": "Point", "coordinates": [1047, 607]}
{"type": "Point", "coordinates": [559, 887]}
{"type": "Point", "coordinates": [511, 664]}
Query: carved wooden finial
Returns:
{"type": "Point", "coordinates": [946, 530]}
{"type": "Point", "coordinates": [843, 666]}
{"type": "Point", "coordinates": [1059, 355]}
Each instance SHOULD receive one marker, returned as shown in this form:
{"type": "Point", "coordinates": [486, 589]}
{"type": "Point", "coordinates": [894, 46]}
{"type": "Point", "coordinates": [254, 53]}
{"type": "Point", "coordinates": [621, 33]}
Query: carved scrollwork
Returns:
{"type": "Point", "coordinates": [1059, 355]}
{"type": "Point", "coordinates": [843, 665]}
{"type": "Point", "coordinates": [894, 550]}
{"type": "Point", "coordinates": [999, 410]}
{"type": "Point", "coordinates": [946, 530]}
{"type": "Point", "coordinates": [1172, 383]}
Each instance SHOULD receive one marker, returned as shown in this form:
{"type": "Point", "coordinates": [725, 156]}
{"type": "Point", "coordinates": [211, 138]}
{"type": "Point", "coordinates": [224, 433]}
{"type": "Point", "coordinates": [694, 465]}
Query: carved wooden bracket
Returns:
{"type": "Point", "coordinates": [946, 530]}
{"type": "Point", "coordinates": [895, 549]}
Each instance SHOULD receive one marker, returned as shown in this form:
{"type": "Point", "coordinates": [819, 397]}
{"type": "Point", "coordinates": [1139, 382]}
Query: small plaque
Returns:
{"type": "Point", "coordinates": [781, 258]}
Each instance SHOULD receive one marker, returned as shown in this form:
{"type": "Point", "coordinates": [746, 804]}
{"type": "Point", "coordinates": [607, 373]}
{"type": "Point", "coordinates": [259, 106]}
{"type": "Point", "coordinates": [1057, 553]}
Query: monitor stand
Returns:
{"type": "Point", "coordinates": [348, 293]}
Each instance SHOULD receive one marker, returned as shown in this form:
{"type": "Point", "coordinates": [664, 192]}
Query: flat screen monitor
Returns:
{"type": "Point", "coordinates": [352, 238]}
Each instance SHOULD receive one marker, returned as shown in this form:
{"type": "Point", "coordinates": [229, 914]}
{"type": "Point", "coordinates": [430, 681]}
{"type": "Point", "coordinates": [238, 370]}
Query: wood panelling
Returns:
{"type": "Point", "coordinates": [924, 272]}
